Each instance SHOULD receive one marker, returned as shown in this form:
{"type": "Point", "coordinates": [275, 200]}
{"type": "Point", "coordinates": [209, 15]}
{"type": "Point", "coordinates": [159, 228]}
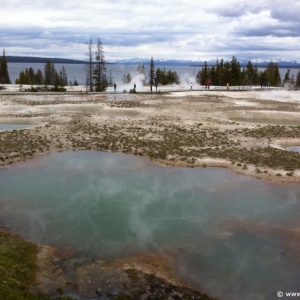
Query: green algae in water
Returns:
{"type": "Point", "coordinates": [232, 236]}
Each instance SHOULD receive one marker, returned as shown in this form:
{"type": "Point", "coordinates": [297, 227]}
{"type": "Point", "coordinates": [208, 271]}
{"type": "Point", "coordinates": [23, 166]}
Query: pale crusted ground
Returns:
{"type": "Point", "coordinates": [188, 128]}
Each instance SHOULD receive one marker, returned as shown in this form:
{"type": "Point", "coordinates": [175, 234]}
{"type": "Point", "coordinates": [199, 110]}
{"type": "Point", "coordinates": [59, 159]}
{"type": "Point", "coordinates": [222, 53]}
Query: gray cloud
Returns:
{"type": "Point", "coordinates": [237, 8]}
{"type": "Point", "coordinates": [286, 30]}
{"type": "Point", "coordinates": [287, 11]}
{"type": "Point", "coordinates": [164, 29]}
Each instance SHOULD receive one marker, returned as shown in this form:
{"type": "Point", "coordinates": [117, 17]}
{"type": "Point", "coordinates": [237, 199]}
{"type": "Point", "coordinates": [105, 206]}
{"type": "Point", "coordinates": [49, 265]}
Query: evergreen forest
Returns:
{"type": "Point", "coordinates": [50, 77]}
{"type": "Point", "coordinates": [231, 72]}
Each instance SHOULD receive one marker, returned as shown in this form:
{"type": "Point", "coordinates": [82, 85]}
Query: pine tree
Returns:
{"type": "Point", "coordinates": [298, 79]}
{"type": "Point", "coordinates": [160, 77]}
{"type": "Point", "coordinates": [49, 73]}
{"type": "Point", "coordinates": [99, 74]}
{"type": "Point", "coordinates": [287, 77]}
{"type": "Point", "coordinates": [63, 77]}
{"type": "Point", "coordinates": [22, 78]}
{"type": "Point", "coordinates": [205, 73]}
{"type": "Point", "coordinates": [250, 74]}
{"type": "Point", "coordinates": [39, 77]}
{"type": "Point", "coordinates": [57, 81]}
{"type": "Point", "coordinates": [271, 74]}
{"type": "Point", "coordinates": [212, 75]}
{"type": "Point", "coordinates": [277, 74]}
{"type": "Point", "coordinates": [151, 73]}
{"type": "Point", "coordinates": [221, 73]}
{"type": "Point", "coordinates": [218, 78]}
{"type": "Point", "coordinates": [235, 70]}
{"type": "Point", "coordinates": [4, 76]}
{"type": "Point", "coordinates": [29, 77]}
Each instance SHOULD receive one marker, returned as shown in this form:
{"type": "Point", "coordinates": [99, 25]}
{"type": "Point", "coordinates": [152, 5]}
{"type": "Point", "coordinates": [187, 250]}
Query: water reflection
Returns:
{"type": "Point", "coordinates": [232, 236]}
{"type": "Point", "coordinates": [294, 148]}
{"type": "Point", "coordinates": [4, 126]}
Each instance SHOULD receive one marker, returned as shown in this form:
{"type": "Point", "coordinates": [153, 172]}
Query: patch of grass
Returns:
{"type": "Point", "coordinates": [18, 269]}
{"type": "Point", "coordinates": [17, 265]}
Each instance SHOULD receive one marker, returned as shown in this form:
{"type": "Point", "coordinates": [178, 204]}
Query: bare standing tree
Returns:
{"type": "Point", "coordinates": [89, 66]}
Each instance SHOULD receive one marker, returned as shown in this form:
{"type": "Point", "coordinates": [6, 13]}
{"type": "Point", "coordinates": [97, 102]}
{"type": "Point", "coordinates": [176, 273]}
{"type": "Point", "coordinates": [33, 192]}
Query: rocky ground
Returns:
{"type": "Point", "coordinates": [141, 276]}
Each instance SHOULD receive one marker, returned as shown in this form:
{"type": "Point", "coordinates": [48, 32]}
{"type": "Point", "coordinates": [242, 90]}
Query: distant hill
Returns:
{"type": "Point", "coordinates": [200, 63]}
{"type": "Point", "coordinates": [146, 61]}
{"type": "Point", "coordinates": [29, 59]}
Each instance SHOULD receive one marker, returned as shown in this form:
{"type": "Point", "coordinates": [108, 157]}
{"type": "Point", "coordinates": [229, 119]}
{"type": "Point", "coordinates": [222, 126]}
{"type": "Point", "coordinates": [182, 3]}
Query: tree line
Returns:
{"type": "Point", "coordinates": [161, 77]}
{"type": "Point", "coordinates": [231, 72]}
{"type": "Point", "coordinates": [164, 77]}
{"type": "Point", "coordinates": [50, 77]}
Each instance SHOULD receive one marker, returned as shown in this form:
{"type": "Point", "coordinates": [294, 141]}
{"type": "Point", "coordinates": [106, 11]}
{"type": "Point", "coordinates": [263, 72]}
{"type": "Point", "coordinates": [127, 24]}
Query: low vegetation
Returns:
{"type": "Point", "coordinates": [157, 138]}
{"type": "Point", "coordinates": [18, 269]}
{"type": "Point", "coordinates": [18, 278]}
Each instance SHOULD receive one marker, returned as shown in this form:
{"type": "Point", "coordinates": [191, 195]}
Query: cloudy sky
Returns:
{"type": "Point", "coordinates": [164, 29]}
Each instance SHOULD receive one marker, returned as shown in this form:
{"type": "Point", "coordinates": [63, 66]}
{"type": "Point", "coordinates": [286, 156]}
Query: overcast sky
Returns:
{"type": "Point", "coordinates": [164, 29]}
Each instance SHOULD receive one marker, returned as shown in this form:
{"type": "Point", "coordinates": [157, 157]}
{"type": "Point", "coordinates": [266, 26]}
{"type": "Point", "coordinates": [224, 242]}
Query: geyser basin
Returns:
{"type": "Point", "coordinates": [232, 236]}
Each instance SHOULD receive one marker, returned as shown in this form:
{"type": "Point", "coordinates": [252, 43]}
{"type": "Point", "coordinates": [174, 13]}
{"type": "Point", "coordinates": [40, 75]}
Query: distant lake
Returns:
{"type": "Point", "coordinates": [187, 74]}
